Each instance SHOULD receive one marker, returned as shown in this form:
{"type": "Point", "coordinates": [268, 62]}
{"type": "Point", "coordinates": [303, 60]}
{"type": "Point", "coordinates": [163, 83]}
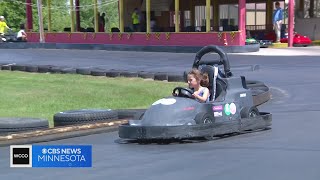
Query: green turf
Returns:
{"type": "Point", "coordinates": [42, 95]}
{"type": "Point", "coordinates": [316, 42]}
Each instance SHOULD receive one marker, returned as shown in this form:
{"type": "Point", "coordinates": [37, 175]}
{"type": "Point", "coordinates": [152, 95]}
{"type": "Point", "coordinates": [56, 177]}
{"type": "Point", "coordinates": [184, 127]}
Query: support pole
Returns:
{"type": "Point", "coordinates": [291, 24]}
{"type": "Point", "coordinates": [242, 22]}
{"type": "Point", "coordinates": [192, 15]}
{"type": "Point", "coordinates": [269, 14]}
{"type": "Point", "coordinates": [148, 8]}
{"type": "Point", "coordinates": [216, 14]}
{"type": "Point", "coordinates": [39, 5]}
{"type": "Point", "coordinates": [121, 18]}
{"type": "Point", "coordinates": [72, 15]}
{"type": "Point", "coordinates": [78, 25]}
{"type": "Point", "coordinates": [96, 18]}
{"type": "Point", "coordinates": [208, 24]}
{"type": "Point", "coordinates": [49, 15]}
{"type": "Point", "coordinates": [176, 8]}
{"type": "Point", "coordinates": [29, 15]}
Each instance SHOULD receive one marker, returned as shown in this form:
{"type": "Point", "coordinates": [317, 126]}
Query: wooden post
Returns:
{"type": "Point", "coordinates": [301, 5]}
{"type": "Point", "coordinates": [29, 15]}
{"type": "Point", "coordinates": [148, 8]}
{"type": "Point", "coordinates": [49, 15]}
{"type": "Point", "coordinates": [291, 23]}
{"type": "Point", "coordinates": [96, 20]}
{"type": "Point", "coordinates": [39, 5]}
{"type": "Point", "coordinates": [121, 18]}
{"type": "Point", "coordinates": [208, 24]}
{"type": "Point", "coordinates": [269, 14]}
{"type": "Point", "coordinates": [176, 8]}
{"type": "Point", "coordinates": [216, 14]}
{"type": "Point", "coordinates": [78, 24]}
{"type": "Point", "coordinates": [242, 22]}
{"type": "Point", "coordinates": [72, 15]}
{"type": "Point", "coordinates": [192, 14]}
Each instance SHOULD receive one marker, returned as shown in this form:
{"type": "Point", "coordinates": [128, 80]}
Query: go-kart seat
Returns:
{"type": "Point", "coordinates": [216, 85]}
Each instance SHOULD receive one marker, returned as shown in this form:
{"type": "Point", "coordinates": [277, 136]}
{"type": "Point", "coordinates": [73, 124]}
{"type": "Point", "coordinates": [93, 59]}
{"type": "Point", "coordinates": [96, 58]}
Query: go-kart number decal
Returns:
{"type": "Point", "coordinates": [227, 109]}
{"type": "Point", "coordinates": [230, 109]}
{"type": "Point", "coordinates": [233, 108]}
{"type": "Point", "coordinates": [168, 101]}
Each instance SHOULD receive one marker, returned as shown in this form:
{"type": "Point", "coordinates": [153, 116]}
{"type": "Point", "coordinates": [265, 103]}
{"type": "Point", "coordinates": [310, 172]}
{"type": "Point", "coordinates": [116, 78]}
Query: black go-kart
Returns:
{"type": "Point", "coordinates": [230, 109]}
{"type": "Point", "coordinates": [10, 37]}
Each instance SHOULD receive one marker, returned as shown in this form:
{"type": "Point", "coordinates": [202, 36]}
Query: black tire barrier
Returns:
{"type": "Point", "coordinates": [98, 73]}
{"type": "Point", "coordinates": [44, 68]}
{"type": "Point", "coordinates": [68, 71]}
{"type": "Point", "coordinates": [6, 67]}
{"type": "Point", "coordinates": [18, 68]}
{"type": "Point", "coordinates": [112, 73]}
{"type": "Point", "coordinates": [145, 75]}
{"type": "Point", "coordinates": [83, 71]}
{"type": "Point", "coordinates": [175, 78]}
{"type": "Point", "coordinates": [260, 91]}
{"type": "Point", "coordinates": [57, 69]}
{"type": "Point", "coordinates": [8, 125]}
{"type": "Point", "coordinates": [31, 68]}
{"type": "Point", "coordinates": [161, 76]}
{"type": "Point", "coordinates": [128, 113]}
{"type": "Point", "coordinates": [128, 74]}
{"type": "Point", "coordinates": [82, 116]}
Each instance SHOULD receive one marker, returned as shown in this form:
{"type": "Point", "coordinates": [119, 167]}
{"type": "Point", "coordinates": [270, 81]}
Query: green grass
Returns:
{"type": "Point", "coordinates": [43, 95]}
{"type": "Point", "coordinates": [316, 42]}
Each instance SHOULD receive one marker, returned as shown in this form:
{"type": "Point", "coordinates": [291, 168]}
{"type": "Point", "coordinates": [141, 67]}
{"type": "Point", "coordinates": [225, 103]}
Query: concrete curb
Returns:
{"type": "Point", "coordinates": [110, 47]}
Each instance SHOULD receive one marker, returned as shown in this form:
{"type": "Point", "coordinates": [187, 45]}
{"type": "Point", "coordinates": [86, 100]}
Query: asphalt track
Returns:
{"type": "Point", "coordinates": [290, 150]}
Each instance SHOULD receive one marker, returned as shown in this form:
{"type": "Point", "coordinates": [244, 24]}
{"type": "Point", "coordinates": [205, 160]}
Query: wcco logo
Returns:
{"type": "Point", "coordinates": [21, 156]}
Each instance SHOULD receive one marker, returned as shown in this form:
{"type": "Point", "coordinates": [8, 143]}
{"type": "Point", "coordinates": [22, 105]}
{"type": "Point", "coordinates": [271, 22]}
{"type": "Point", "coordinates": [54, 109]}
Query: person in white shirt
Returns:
{"type": "Point", "coordinates": [22, 35]}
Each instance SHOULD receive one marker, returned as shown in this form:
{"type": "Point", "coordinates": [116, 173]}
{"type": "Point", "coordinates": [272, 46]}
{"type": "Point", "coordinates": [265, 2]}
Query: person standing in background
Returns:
{"type": "Point", "coordinates": [277, 21]}
{"type": "Point", "coordinates": [136, 20]}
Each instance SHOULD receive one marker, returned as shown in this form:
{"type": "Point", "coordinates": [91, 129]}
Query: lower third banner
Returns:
{"type": "Point", "coordinates": [61, 156]}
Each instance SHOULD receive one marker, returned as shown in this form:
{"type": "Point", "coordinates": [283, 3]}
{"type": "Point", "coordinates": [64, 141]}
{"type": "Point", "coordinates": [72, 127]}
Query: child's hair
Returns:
{"type": "Point", "coordinates": [203, 77]}
{"type": "Point", "coordinates": [21, 26]}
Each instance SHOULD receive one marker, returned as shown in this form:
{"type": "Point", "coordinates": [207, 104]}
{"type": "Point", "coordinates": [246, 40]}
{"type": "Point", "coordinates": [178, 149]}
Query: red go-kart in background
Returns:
{"type": "Point", "coordinates": [298, 39]}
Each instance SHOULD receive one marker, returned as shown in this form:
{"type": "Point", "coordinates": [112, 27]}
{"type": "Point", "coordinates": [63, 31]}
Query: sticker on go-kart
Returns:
{"type": "Point", "coordinates": [168, 101]}
{"type": "Point", "coordinates": [243, 95]}
{"type": "Point", "coordinates": [227, 109]}
{"type": "Point", "coordinates": [217, 114]}
{"type": "Point", "coordinates": [233, 108]}
{"type": "Point", "coordinates": [217, 108]}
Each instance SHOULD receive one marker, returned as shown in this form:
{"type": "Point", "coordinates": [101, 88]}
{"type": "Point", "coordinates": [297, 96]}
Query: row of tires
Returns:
{"type": "Point", "coordinates": [159, 76]}
{"type": "Point", "coordinates": [72, 117]}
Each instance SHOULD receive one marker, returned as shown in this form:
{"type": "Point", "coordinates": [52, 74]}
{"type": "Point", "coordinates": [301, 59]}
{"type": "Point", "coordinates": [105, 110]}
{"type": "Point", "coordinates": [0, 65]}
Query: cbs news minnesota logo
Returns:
{"type": "Point", "coordinates": [51, 156]}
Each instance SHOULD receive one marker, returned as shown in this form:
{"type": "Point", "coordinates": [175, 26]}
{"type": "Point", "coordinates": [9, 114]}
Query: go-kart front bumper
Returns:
{"type": "Point", "coordinates": [127, 131]}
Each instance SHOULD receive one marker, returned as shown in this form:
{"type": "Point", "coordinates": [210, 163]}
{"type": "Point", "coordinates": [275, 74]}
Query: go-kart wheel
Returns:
{"type": "Point", "coordinates": [204, 118]}
{"type": "Point", "coordinates": [183, 92]}
{"type": "Point", "coordinates": [249, 112]}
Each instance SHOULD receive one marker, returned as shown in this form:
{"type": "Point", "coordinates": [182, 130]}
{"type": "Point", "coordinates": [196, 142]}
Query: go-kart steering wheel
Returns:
{"type": "Point", "coordinates": [183, 92]}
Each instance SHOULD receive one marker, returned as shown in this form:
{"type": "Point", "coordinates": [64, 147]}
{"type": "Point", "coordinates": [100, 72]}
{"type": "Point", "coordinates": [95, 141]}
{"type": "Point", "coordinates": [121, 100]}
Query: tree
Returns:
{"type": "Point", "coordinates": [14, 12]}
